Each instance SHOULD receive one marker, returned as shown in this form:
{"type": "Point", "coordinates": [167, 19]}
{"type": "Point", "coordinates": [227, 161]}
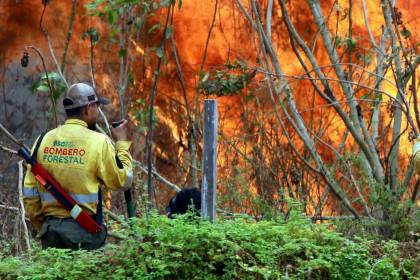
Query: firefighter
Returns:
{"type": "Point", "coordinates": [80, 160]}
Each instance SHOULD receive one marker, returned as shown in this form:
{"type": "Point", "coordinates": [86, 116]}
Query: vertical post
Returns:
{"type": "Point", "coordinates": [208, 190]}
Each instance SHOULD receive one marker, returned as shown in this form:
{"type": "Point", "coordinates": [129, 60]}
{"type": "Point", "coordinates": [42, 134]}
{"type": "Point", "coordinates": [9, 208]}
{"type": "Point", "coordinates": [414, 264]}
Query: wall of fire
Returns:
{"type": "Point", "coordinates": [24, 113]}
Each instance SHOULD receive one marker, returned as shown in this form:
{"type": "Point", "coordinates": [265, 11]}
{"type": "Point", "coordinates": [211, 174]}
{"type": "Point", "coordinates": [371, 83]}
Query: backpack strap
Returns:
{"type": "Point", "coordinates": [98, 217]}
{"type": "Point", "coordinates": [38, 143]}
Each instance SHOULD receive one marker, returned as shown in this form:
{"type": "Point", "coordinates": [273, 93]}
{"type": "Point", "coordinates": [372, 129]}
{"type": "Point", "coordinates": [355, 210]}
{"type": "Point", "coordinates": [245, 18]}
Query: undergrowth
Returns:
{"type": "Point", "coordinates": [239, 248]}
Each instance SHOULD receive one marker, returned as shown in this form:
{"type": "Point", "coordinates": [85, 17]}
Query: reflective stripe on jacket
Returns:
{"type": "Point", "coordinates": [80, 160]}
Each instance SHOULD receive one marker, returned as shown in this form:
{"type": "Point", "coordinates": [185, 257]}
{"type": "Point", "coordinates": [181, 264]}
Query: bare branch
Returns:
{"type": "Point", "coordinates": [47, 36]}
{"type": "Point", "coordinates": [6, 149]}
{"type": "Point", "coordinates": [193, 134]}
{"type": "Point", "coordinates": [22, 207]}
{"type": "Point", "coordinates": [91, 63]}
{"type": "Point", "coordinates": [51, 89]}
{"type": "Point", "coordinates": [116, 235]}
{"type": "Point", "coordinates": [158, 176]}
{"type": "Point", "coordinates": [106, 122]}
{"type": "Point", "coordinates": [365, 16]}
{"type": "Point", "coordinates": [298, 121]}
{"type": "Point", "coordinates": [11, 137]}
{"type": "Point", "coordinates": [69, 33]}
{"type": "Point", "coordinates": [354, 126]}
{"type": "Point", "coordinates": [268, 18]}
{"type": "Point", "coordinates": [306, 77]}
{"type": "Point", "coordinates": [387, 9]}
{"type": "Point", "coordinates": [333, 218]}
{"type": "Point", "coordinates": [9, 207]}
{"type": "Point", "coordinates": [149, 141]}
{"type": "Point", "coordinates": [352, 178]}
{"type": "Point", "coordinates": [112, 215]}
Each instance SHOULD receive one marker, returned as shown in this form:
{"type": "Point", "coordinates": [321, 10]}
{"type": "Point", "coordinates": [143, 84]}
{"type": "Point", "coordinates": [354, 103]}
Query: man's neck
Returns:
{"type": "Point", "coordinates": [82, 121]}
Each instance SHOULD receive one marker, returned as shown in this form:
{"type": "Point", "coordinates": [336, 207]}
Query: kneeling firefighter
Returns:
{"type": "Point", "coordinates": [62, 193]}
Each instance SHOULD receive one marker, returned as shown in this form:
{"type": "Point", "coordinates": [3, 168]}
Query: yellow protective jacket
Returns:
{"type": "Point", "coordinates": [80, 160]}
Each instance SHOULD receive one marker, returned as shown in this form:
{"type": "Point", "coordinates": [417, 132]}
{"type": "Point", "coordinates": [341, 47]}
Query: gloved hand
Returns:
{"type": "Point", "coordinates": [120, 132]}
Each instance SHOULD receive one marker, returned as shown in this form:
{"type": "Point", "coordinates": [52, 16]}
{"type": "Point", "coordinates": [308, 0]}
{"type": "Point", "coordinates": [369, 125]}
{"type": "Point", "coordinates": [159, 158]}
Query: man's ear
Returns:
{"type": "Point", "coordinates": [86, 110]}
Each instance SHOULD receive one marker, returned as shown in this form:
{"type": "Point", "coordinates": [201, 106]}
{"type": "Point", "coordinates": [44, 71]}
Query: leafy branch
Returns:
{"type": "Point", "coordinates": [226, 82]}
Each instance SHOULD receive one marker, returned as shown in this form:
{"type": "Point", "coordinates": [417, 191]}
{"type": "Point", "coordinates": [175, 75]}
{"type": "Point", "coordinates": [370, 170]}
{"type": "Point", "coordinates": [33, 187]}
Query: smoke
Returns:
{"type": "Point", "coordinates": [18, 26]}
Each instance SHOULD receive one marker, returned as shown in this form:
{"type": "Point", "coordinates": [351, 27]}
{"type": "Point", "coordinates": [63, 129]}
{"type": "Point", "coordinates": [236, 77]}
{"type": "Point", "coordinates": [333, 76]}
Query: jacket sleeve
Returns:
{"type": "Point", "coordinates": [115, 165]}
{"type": "Point", "coordinates": [416, 155]}
{"type": "Point", "coordinates": [32, 199]}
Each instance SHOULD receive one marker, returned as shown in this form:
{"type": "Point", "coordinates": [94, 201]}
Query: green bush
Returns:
{"type": "Point", "coordinates": [239, 248]}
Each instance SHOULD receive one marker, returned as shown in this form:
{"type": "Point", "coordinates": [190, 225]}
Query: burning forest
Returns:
{"type": "Point", "coordinates": [317, 102]}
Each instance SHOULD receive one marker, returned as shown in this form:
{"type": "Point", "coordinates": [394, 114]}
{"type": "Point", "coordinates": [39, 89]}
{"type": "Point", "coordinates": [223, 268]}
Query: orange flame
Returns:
{"type": "Point", "coordinates": [231, 39]}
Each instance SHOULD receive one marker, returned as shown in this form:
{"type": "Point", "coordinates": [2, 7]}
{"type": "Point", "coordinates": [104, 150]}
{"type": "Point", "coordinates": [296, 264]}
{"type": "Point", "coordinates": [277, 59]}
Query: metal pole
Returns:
{"type": "Point", "coordinates": [208, 191]}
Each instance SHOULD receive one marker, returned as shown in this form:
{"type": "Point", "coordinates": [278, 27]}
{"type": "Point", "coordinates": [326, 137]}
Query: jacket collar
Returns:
{"type": "Point", "coordinates": [76, 122]}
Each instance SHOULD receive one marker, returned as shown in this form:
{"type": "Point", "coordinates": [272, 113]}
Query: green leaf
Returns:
{"type": "Point", "coordinates": [406, 33]}
{"type": "Point", "coordinates": [249, 97]}
{"type": "Point", "coordinates": [159, 52]}
{"type": "Point", "coordinates": [336, 41]}
{"type": "Point", "coordinates": [351, 44]}
{"type": "Point", "coordinates": [93, 5]}
{"type": "Point", "coordinates": [51, 76]}
{"type": "Point", "coordinates": [112, 17]}
{"type": "Point", "coordinates": [154, 27]}
{"type": "Point", "coordinates": [165, 3]}
{"type": "Point", "coordinates": [139, 22]}
{"type": "Point", "coordinates": [90, 6]}
{"type": "Point", "coordinates": [56, 94]}
{"type": "Point", "coordinates": [367, 59]}
{"type": "Point", "coordinates": [205, 77]}
{"type": "Point", "coordinates": [122, 53]}
{"type": "Point", "coordinates": [169, 32]}
{"type": "Point", "coordinates": [93, 35]}
{"type": "Point", "coordinates": [48, 115]}
{"type": "Point", "coordinates": [43, 88]}
{"type": "Point", "coordinates": [130, 78]}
